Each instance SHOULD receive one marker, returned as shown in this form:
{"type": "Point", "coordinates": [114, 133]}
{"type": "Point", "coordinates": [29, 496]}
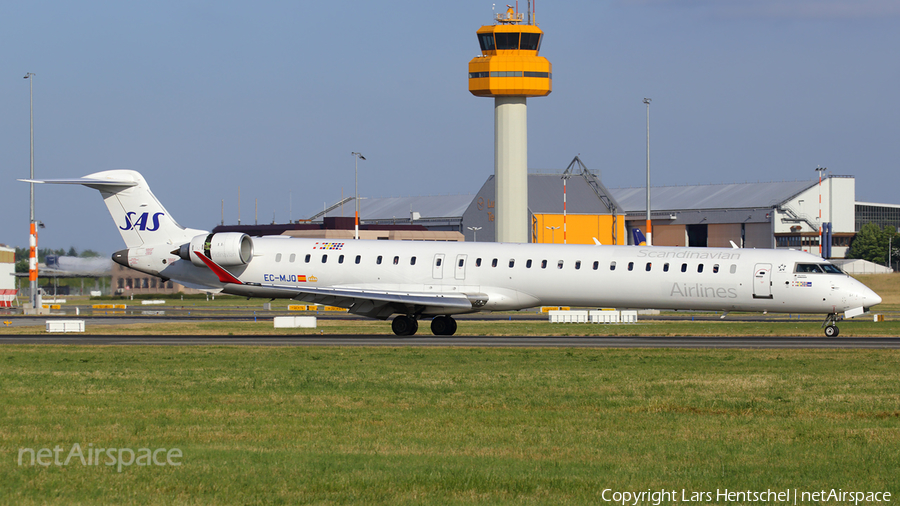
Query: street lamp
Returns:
{"type": "Point", "coordinates": [552, 233]}
{"type": "Point", "coordinates": [819, 170]}
{"type": "Point", "coordinates": [358, 156]}
{"type": "Point", "coordinates": [649, 234]}
{"type": "Point", "coordinates": [32, 239]}
{"type": "Point", "coordinates": [474, 233]}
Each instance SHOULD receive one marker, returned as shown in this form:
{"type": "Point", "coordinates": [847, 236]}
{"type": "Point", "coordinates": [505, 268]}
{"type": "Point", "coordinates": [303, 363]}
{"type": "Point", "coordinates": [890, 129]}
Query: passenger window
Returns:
{"type": "Point", "coordinates": [666, 267]}
{"type": "Point", "coordinates": [307, 258]}
{"type": "Point", "coordinates": [512, 263]}
{"type": "Point", "coordinates": [292, 257]}
{"type": "Point", "coordinates": [278, 257]}
{"type": "Point", "coordinates": [648, 267]}
{"type": "Point", "coordinates": [528, 264]}
{"type": "Point", "coordinates": [412, 261]}
{"type": "Point", "coordinates": [378, 260]}
{"type": "Point", "coordinates": [715, 268]}
{"type": "Point", "coordinates": [612, 265]}
{"type": "Point", "coordinates": [324, 258]}
{"type": "Point", "coordinates": [494, 263]}
{"type": "Point", "coordinates": [683, 267]}
{"type": "Point", "coordinates": [543, 264]}
{"type": "Point", "coordinates": [577, 264]}
{"type": "Point", "coordinates": [559, 265]}
{"type": "Point", "coordinates": [699, 267]}
{"type": "Point", "coordinates": [341, 259]}
{"type": "Point", "coordinates": [630, 266]}
{"type": "Point", "coordinates": [733, 268]}
{"type": "Point", "coordinates": [596, 265]}
{"type": "Point", "coordinates": [477, 262]}
{"type": "Point", "coordinates": [358, 258]}
{"type": "Point", "coordinates": [396, 260]}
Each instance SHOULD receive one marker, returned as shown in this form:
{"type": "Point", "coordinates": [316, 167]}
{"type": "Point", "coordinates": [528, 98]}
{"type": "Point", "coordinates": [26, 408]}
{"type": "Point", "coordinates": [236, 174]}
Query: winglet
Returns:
{"type": "Point", "coordinates": [224, 276]}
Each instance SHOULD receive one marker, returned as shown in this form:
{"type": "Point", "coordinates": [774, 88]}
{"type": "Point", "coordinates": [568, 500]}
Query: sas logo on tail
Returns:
{"type": "Point", "coordinates": [141, 222]}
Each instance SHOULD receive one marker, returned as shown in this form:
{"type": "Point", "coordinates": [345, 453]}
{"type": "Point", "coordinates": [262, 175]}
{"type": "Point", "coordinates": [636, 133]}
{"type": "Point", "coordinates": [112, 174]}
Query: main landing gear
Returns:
{"type": "Point", "coordinates": [443, 326]}
{"type": "Point", "coordinates": [830, 325]}
{"type": "Point", "coordinates": [404, 325]}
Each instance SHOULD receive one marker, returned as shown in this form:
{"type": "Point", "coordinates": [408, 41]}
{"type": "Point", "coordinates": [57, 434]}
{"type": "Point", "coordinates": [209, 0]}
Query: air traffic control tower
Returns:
{"type": "Point", "coordinates": [510, 70]}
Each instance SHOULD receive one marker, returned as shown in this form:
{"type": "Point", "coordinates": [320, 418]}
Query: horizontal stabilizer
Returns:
{"type": "Point", "coordinates": [87, 181]}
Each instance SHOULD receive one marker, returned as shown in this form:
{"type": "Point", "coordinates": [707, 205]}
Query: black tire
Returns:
{"type": "Point", "coordinates": [443, 326]}
{"type": "Point", "coordinates": [832, 331]}
{"type": "Point", "coordinates": [404, 326]}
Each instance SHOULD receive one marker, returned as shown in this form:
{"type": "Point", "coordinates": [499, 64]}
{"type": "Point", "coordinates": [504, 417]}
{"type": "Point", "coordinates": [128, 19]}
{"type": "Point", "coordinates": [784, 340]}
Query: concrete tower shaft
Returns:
{"type": "Point", "coordinates": [509, 69]}
{"type": "Point", "coordinates": [511, 169]}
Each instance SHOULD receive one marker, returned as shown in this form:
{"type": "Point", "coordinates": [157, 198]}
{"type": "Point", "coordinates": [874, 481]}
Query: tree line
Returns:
{"type": "Point", "coordinates": [872, 242]}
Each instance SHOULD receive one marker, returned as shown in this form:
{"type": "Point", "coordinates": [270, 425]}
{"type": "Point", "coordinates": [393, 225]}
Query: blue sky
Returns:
{"type": "Point", "coordinates": [271, 97]}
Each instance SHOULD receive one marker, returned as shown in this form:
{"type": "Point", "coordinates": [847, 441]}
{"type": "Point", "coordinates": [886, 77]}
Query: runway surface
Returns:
{"type": "Point", "coordinates": [469, 341]}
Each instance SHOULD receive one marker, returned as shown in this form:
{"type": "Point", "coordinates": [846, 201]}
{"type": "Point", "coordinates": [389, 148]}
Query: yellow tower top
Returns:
{"type": "Point", "coordinates": [509, 64]}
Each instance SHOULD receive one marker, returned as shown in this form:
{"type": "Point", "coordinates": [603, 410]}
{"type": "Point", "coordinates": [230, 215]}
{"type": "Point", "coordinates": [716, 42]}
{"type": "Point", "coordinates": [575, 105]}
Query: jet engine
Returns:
{"type": "Point", "coordinates": [227, 248]}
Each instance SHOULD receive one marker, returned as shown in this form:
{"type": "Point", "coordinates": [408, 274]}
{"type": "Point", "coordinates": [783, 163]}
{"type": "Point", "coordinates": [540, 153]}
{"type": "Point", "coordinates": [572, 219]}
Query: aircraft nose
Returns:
{"type": "Point", "coordinates": [875, 298]}
{"type": "Point", "coordinates": [869, 297]}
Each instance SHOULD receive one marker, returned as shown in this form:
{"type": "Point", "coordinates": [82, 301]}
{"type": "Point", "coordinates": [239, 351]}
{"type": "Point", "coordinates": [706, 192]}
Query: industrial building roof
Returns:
{"type": "Point", "coordinates": [545, 195]}
{"type": "Point", "coordinates": [713, 196]}
{"type": "Point", "coordinates": [400, 208]}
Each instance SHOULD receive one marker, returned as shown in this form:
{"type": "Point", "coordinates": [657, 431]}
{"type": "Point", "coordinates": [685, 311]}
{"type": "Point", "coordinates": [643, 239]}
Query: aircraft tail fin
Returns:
{"type": "Point", "coordinates": [139, 216]}
{"type": "Point", "coordinates": [639, 239]}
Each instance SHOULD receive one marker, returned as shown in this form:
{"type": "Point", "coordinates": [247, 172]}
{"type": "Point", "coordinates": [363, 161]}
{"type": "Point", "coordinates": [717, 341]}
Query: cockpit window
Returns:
{"type": "Point", "coordinates": [818, 268]}
{"type": "Point", "coordinates": [831, 269]}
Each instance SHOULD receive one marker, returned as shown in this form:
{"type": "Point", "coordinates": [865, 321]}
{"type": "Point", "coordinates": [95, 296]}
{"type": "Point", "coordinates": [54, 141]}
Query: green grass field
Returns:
{"type": "Point", "coordinates": [260, 425]}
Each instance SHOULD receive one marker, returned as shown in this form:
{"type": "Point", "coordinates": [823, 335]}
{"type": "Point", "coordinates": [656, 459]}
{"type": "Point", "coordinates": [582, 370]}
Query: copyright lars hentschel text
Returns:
{"type": "Point", "coordinates": [783, 496]}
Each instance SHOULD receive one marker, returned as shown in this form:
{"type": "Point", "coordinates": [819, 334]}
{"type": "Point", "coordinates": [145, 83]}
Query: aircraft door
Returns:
{"type": "Point", "coordinates": [762, 281]}
{"type": "Point", "coordinates": [437, 268]}
{"type": "Point", "coordinates": [460, 266]}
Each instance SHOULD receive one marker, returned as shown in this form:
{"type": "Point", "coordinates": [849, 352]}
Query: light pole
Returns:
{"type": "Point", "coordinates": [358, 156]}
{"type": "Point", "coordinates": [565, 179]}
{"type": "Point", "coordinates": [474, 233]}
{"type": "Point", "coordinates": [649, 231]}
{"type": "Point", "coordinates": [819, 170]}
{"type": "Point", "coordinates": [32, 239]}
{"type": "Point", "coordinates": [552, 233]}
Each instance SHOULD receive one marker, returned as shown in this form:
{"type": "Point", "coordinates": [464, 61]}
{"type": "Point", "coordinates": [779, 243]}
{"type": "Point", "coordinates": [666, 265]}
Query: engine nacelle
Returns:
{"type": "Point", "coordinates": [227, 248]}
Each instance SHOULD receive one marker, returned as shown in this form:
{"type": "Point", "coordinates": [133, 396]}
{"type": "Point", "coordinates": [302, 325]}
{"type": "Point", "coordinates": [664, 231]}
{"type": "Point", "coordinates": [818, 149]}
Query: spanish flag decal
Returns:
{"type": "Point", "coordinates": [301, 278]}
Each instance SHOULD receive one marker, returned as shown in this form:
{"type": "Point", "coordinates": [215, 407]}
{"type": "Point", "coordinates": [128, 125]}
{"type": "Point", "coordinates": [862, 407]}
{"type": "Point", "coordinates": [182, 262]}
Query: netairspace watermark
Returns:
{"type": "Point", "coordinates": [90, 456]}
{"type": "Point", "coordinates": [782, 496]}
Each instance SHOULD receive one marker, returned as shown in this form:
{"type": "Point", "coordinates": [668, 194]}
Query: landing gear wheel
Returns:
{"type": "Point", "coordinates": [830, 325]}
{"type": "Point", "coordinates": [404, 325]}
{"type": "Point", "coordinates": [443, 326]}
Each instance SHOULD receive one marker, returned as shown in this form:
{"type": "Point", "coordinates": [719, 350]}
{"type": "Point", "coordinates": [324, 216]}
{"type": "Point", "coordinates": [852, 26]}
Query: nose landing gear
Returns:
{"type": "Point", "coordinates": [830, 325]}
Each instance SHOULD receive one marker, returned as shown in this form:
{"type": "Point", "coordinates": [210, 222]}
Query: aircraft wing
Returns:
{"type": "Point", "coordinates": [372, 303]}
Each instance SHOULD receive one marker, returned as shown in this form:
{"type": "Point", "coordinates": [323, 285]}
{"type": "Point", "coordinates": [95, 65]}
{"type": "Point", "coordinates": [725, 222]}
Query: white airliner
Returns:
{"type": "Point", "coordinates": [379, 279]}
